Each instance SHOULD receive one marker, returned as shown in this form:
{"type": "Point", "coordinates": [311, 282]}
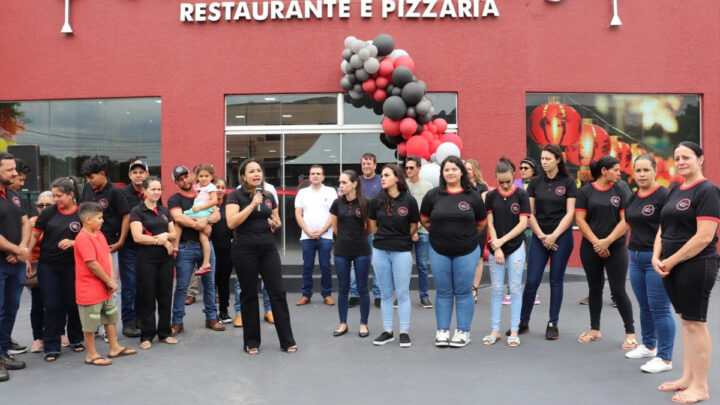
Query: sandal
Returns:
{"type": "Point", "coordinates": [145, 345]}
{"type": "Point", "coordinates": [586, 337]}
{"type": "Point", "coordinates": [126, 351]}
{"type": "Point", "coordinates": [253, 351]}
{"type": "Point", "coordinates": [475, 293]}
{"type": "Point", "coordinates": [629, 344]}
{"type": "Point", "coordinates": [513, 341]}
{"type": "Point", "coordinates": [98, 361]}
{"type": "Point", "coordinates": [490, 340]}
{"type": "Point", "coordinates": [50, 357]}
{"type": "Point", "coordinates": [79, 348]}
{"type": "Point", "coordinates": [291, 349]}
{"type": "Point", "coordinates": [169, 340]}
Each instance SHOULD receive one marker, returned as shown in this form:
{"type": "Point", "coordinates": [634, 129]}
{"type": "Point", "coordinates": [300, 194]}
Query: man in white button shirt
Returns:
{"type": "Point", "coordinates": [312, 212]}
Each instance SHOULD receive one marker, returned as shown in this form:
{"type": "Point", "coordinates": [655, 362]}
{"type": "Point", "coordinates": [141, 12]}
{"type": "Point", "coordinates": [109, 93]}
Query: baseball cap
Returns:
{"type": "Point", "coordinates": [138, 163]}
{"type": "Point", "coordinates": [530, 161]}
{"type": "Point", "coordinates": [179, 171]}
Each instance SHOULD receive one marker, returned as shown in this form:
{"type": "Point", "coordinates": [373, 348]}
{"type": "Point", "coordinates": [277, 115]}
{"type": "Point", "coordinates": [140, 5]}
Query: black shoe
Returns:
{"type": "Point", "coordinates": [405, 340]}
{"type": "Point", "coordinates": [364, 334]}
{"type": "Point", "coordinates": [353, 302]}
{"type": "Point", "coordinates": [426, 303]}
{"type": "Point", "coordinates": [585, 301]}
{"type": "Point", "coordinates": [338, 332]}
{"type": "Point", "coordinates": [16, 348]}
{"type": "Point", "coordinates": [130, 331]}
{"type": "Point", "coordinates": [551, 332]}
{"type": "Point", "coordinates": [377, 302]}
{"type": "Point", "coordinates": [4, 375]}
{"type": "Point", "coordinates": [12, 364]}
{"type": "Point", "coordinates": [522, 328]}
{"type": "Point", "coordinates": [223, 317]}
{"type": "Point", "coordinates": [395, 305]}
{"type": "Point", "coordinates": [383, 339]}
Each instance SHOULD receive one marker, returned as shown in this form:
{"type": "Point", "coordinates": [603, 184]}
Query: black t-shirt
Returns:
{"type": "Point", "coordinates": [393, 230]}
{"type": "Point", "coordinates": [57, 225]}
{"type": "Point", "coordinates": [684, 207]}
{"type": "Point", "coordinates": [506, 210]}
{"type": "Point", "coordinates": [181, 201]}
{"type": "Point", "coordinates": [255, 231]}
{"type": "Point", "coordinates": [643, 216]}
{"type": "Point", "coordinates": [453, 220]}
{"type": "Point", "coordinates": [11, 214]}
{"type": "Point", "coordinates": [603, 208]}
{"type": "Point", "coordinates": [134, 198]}
{"type": "Point", "coordinates": [221, 235]}
{"type": "Point", "coordinates": [114, 204]}
{"type": "Point", "coordinates": [351, 239]}
{"type": "Point", "coordinates": [551, 197]}
{"type": "Point", "coordinates": [154, 222]}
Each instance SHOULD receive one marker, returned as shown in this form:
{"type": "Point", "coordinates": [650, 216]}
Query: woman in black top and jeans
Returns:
{"type": "Point", "coordinates": [221, 238]}
{"type": "Point", "coordinates": [252, 212]}
{"type": "Point", "coordinates": [153, 231]}
{"type": "Point", "coordinates": [600, 215]}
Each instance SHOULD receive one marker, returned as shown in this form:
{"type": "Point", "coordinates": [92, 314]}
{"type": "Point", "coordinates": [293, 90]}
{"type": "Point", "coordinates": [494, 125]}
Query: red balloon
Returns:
{"type": "Point", "coordinates": [369, 86]}
{"type": "Point", "coordinates": [428, 136]}
{"type": "Point", "coordinates": [555, 123]}
{"type": "Point", "coordinates": [432, 128]}
{"type": "Point", "coordinates": [408, 126]}
{"type": "Point", "coordinates": [386, 67]}
{"type": "Point", "coordinates": [382, 82]}
{"type": "Point", "coordinates": [454, 138]}
{"type": "Point", "coordinates": [391, 127]}
{"type": "Point", "coordinates": [379, 95]}
{"type": "Point", "coordinates": [405, 60]}
{"type": "Point", "coordinates": [440, 125]}
{"type": "Point", "coordinates": [402, 149]}
{"type": "Point", "coordinates": [434, 145]}
{"type": "Point", "coordinates": [418, 146]}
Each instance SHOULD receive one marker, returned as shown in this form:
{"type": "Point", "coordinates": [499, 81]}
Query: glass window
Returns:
{"type": "Point", "coordinates": [282, 109]}
{"type": "Point", "coordinates": [445, 107]}
{"type": "Point", "coordinates": [588, 126]}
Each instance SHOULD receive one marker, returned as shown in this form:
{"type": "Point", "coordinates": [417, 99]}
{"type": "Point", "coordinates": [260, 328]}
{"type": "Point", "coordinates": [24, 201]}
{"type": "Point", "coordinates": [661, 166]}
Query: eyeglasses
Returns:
{"type": "Point", "coordinates": [524, 168]}
{"type": "Point", "coordinates": [410, 167]}
{"type": "Point", "coordinates": [42, 205]}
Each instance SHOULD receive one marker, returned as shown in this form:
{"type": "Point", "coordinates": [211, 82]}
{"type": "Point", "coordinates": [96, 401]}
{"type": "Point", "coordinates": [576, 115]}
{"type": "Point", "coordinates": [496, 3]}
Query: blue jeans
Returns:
{"type": "Point", "coordinates": [322, 247]}
{"type": "Point", "coordinates": [392, 270]}
{"type": "Point", "coordinates": [422, 249]}
{"type": "Point", "coordinates": [656, 319]}
{"type": "Point", "coordinates": [266, 298]}
{"type": "Point", "coordinates": [188, 256]}
{"type": "Point", "coordinates": [128, 286]}
{"type": "Point", "coordinates": [343, 268]}
{"type": "Point", "coordinates": [536, 267]}
{"type": "Point", "coordinates": [515, 264]}
{"type": "Point", "coordinates": [12, 280]}
{"type": "Point", "coordinates": [353, 282]}
{"type": "Point", "coordinates": [454, 280]}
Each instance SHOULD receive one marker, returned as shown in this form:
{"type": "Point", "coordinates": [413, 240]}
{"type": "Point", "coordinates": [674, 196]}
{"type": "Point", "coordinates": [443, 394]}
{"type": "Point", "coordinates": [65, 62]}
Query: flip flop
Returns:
{"type": "Point", "coordinates": [629, 344]}
{"type": "Point", "coordinates": [169, 340]}
{"type": "Point", "coordinates": [513, 341]}
{"type": "Point", "coordinates": [145, 345]}
{"type": "Point", "coordinates": [126, 351]}
{"type": "Point", "coordinates": [291, 349]}
{"type": "Point", "coordinates": [253, 351]}
{"type": "Point", "coordinates": [490, 340]}
{"type": "Point", "coordinates": [586, 337]}
{"type": "Point", "coordinates": [79, 348]}
{"type": "Point", "coordinates": [98, 361]}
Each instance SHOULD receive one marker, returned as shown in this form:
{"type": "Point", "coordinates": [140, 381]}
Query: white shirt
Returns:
{"type": "Point", "coordinates": [316, 208]}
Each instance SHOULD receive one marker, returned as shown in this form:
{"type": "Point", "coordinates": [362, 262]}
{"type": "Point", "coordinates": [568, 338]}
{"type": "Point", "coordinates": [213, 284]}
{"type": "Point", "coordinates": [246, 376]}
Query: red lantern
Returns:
{"type": "Point", "coordinates": [555, 123]}
{"type": "Point", "coordinates": [593, 144]}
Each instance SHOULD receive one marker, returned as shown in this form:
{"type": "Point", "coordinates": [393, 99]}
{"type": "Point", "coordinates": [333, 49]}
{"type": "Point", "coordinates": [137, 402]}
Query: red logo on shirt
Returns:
{"type": "Point", "coordinates": [515, 208]}
{"type": "Point", "coordinates": [402, 211]}
{"type": "Point", "coordinates": [648, 210]}
{"type": "Point", "coordinates": [268, 204]}
{"type": "Point", "coordinates": [75, 227]}
{"type": "Point", "coordinates": [615, 201]}
{"type": "Point", "coordinates": [358, 213]}
{"type": "Point", "coordinates": [16, 200]}
{"type": "Point", "coordinates": [683, 204]}
{"type": "Point", "coordinates": [560, 191]}
{"type": "Point", "coordinates": [103, 203]}
{"type": "Point", "coordinates": [464, 206]}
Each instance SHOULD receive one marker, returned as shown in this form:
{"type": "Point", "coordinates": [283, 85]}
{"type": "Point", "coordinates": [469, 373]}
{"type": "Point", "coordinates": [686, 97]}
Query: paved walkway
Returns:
{"type": "Point", "coordinates": [209, 367]}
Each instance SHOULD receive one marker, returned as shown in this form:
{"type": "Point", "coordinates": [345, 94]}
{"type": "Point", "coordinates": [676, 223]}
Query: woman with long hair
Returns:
{"type": "Point", "coordinates": [253, 213]}
{"type": "Point", "coordinates": [350, 223]}
{"type": "Point", "coordinates": [685, 255]}
{"type": "Point", "coordinates": [221, 238]}
{"type": "Point", "coordinates": [394, 217]}
{"type": "Point", "coordinates": [478, 183]}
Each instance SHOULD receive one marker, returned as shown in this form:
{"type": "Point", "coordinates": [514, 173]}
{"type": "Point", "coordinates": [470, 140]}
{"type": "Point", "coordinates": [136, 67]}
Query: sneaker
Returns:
{"type": "Point", "coordinates": [656, 365]}
{"type": "Point", "coordinates": [353, 302]}
{"type": "Point", "coordinates": [426, 303]}
{"type": "Point", "coordinates": [537, 300]}
{"type": "Point", "coordinates": [223, 317]}
{"type": "Point", "coordinates": [377, 302]}
{"type": "Point", "coordinates": [395, 304]}
{"type": "Point", "coordinates": [641, 352]}
{"type": "Point", "coordinates": [585, 301]}
{"type": "Point", "coordinates": [405, 340]}
{"type": "Point", "coordinates": [551, 332]}
{"type": "Point", "coordinates": [16, 348]}
{"type": "Point", "coordinates": [130, 331]}
{"type": "Point", "coordinates": [522, 328]}
{"type": "Point", "coordinates": [105, 338]}
{"type": "Point", "coordinates": [12, 364]}
{"type": "Point", "coordinates": [460, 338]}
{"type": "Point", "coordinates": [37, 346]}
{"type": "Point", "coordinates": [442, 338]}
{"type": "Point", "coordinates": [506, 300]}
{"type": "Point", "coordinates": [383, 339]}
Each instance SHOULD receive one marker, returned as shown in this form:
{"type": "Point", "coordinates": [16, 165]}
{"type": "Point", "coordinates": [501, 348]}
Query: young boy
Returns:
{"type": "Point", "coordinates": [95, 284]}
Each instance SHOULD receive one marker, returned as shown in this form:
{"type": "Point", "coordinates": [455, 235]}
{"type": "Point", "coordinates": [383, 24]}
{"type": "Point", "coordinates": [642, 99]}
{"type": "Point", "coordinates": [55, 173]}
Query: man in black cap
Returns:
{"type": "Point", "coordinates": [130, 313]}
{"type": "Point", "coordinates": [189, 252]}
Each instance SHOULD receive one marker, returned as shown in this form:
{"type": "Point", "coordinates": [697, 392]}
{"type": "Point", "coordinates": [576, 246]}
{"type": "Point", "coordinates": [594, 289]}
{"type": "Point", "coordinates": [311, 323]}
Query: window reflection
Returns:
{"type": "Point", "coordinates": [282, 109]}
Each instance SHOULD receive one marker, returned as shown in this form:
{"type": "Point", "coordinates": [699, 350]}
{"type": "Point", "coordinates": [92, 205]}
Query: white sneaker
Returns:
{"type": "Point", "coordinates": [442, 338]}
{"type": "Point", "coordinates": [460, 338]}
{"type": "Point", "coordinates": [656, 365]}
{"type": "Point", "coordinates": [641, 352]}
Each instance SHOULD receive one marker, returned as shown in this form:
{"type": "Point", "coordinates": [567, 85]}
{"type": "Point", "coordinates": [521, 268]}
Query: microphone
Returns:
{"type": "Point", "coordinates": [258, 190]}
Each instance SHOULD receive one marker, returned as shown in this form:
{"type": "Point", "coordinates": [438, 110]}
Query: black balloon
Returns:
{"type": "Point", "coordinates": [424, 119]}
{"type": "Point", "coordinates": [362, 75]}
{"type": "Point", "coordinates": [412, 93]}
{"type": "Point", "coordinates": [345, 84]}
{"type": "Point", "coordinates": [401, 76]}
{"type": "Point", "coordinates": [352, 78]}
{"type": "Point", "coordinates": [384, 44]}
{"type": "Point", "coordinates": [394, 107]}
{"type": "Point", "coordinates": [389, 89]}
{"type": "Point", "coordinates": [393, 140]}
{"type": "Point", "coordinates": [384, 141]}
{"type": "Point", "coordinates": [356, 102]}
{"type": "Point", "coordinates": [378, 109]}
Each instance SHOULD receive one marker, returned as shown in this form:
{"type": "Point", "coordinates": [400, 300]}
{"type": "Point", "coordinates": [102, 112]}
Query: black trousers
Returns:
{"type": "Point", "coordinates": [263, 260]}
{"type": "Point", "coordinates": [223, 270]}
{"type": "Point", "coordinates": [616, 267]}
{"type": "Point", "coordinates": [57, 287]}
{"type": "Point", "coordinates": [155, 285]}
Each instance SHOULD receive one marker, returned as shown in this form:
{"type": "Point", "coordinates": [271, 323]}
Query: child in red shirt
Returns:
{"type": "Point", "coordinates": [94, 285]}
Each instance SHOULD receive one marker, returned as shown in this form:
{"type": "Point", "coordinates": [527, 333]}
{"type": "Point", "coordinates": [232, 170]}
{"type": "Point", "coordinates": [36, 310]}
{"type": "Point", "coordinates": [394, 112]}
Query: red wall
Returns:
{"type": "Point", "coordinates": [134, 48]}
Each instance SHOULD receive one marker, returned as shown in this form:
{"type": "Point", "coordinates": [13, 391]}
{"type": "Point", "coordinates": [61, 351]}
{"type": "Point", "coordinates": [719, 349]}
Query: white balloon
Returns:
{"type": "Point", "coordinates": [364, 54]}
{"type": "Point", "coordinates": [446, 149]}
{"type": "Point", "coordinates": [357, 45]}
{"type": "Point", "coordinates": [371, 65]}
{"type": "Point", "coordinates": [343, 66]}
{"type": "Point", "coordinates": [373, 50]}
{"type": "Point", "coordinates": [432, 158]}
{"type": "Point", "coordinates": [349, 41]}
{"type": "Point", "coordinates": [398, 52]}
{"type": "Point", "coordinates": [431, 172]}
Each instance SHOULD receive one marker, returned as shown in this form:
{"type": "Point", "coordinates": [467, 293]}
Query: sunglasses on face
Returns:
{"type": "Point", "coordinates": [524, 168]}
{"type": "Point", "coordinates": [42, 205]}
{"type": "Point", "coordinates": [410, 167]}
